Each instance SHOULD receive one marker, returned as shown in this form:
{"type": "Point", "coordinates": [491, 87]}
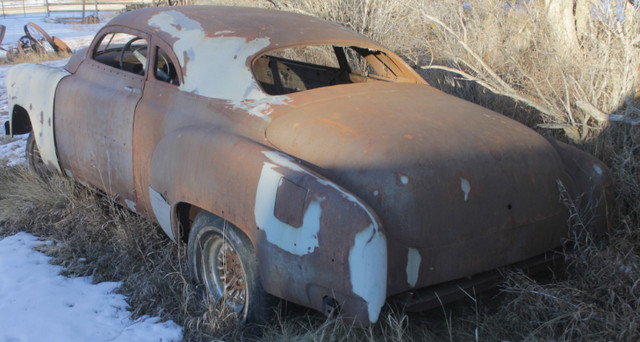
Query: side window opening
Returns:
{"type": "Point", "coordinates": [123, 51]}
{"type": "Point", "coordinates": [164, 69]}
{"type": "Point", "coordinates": [297, 69]}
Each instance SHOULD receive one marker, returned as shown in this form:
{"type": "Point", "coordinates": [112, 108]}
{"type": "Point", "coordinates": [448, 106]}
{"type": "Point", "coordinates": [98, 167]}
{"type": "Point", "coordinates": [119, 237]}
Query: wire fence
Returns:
{"type": "Point", "coordinates": [55, 7]}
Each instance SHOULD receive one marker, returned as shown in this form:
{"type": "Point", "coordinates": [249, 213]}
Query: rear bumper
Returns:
{"type": "Point", "coordinates": [434, 296]}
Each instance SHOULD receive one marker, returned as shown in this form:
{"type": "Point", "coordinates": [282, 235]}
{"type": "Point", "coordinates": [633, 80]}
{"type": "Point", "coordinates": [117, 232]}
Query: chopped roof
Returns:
{"type": "Point", "coordinates": [281, 28]}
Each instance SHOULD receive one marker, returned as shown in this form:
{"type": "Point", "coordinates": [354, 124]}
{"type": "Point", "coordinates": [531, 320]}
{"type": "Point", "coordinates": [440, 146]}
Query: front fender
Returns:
{"type": "Point", "coordinates": [32, 88]}
{"type": "Point", "coordinates": [314, 240]}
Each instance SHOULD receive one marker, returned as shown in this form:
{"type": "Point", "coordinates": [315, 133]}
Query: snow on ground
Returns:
{"type": "Point", "coordinates": [74, 34]}
{"type": "Point", "coordinates": [37, 304]}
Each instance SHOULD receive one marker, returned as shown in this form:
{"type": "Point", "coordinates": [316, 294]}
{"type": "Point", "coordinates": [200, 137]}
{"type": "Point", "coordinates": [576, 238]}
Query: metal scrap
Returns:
{"type": "Point", "coordinates": [36, 41]}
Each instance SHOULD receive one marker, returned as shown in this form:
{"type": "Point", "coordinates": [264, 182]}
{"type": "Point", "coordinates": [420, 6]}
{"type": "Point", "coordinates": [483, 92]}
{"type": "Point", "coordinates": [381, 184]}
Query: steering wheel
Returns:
{"type": "Point", "coordinates": [138, 55]}
{"type": "Point", "coordinates": [162, 74]}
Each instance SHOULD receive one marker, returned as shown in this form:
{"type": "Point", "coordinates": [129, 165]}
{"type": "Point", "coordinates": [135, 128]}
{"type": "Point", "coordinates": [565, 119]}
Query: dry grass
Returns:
{"type": "Point", "coordinates": [35, 58]}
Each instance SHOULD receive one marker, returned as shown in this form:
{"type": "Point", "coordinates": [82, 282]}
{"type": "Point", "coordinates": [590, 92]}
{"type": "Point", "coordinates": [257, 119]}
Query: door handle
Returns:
{"type": "Point", "coordinates": [133, 90]}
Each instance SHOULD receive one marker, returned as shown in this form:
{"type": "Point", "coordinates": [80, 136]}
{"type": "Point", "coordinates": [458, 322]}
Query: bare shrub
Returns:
{"type": "Point", "coordinates": [510, 49]}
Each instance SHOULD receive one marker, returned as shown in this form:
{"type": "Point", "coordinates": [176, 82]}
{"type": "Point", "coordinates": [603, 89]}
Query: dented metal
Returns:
{"type": "Point", "coordinates": [361, 189]}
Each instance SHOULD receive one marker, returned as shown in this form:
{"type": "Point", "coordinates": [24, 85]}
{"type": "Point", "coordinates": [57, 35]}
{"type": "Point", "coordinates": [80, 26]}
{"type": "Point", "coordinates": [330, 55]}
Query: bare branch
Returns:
{"type": "Point", "coordinates": [600, 116]}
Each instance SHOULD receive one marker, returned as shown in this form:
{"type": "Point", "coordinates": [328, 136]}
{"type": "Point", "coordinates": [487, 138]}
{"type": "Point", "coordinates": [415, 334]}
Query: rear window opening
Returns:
{"type": "Point", "coordinates": [303, 68]}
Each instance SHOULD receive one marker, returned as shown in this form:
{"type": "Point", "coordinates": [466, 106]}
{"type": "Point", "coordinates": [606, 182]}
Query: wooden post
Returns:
{"type": "Point", "coordinates": [24, 10]}
{"type": "Point", "coordinates": [46, 2]}
{"type": "Point", "coordinates": [84, 3]}
{"type": "Point", "coordinates": [95, 14]}
{"type": "Point", "coordinates": [3, 8]}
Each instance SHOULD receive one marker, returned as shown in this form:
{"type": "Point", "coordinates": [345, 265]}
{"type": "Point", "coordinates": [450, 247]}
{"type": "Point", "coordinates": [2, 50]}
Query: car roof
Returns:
{"type": "Point", "coordinates": [281, 28]}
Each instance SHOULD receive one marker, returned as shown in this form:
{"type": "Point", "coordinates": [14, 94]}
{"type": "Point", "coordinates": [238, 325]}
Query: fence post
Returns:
{"type": "Point", "coordinates": [3, 8]}
{"type": "Point", "coordinates": [46, 2]}
{"type": "Point", "coordinates": [96, 11]}
{"type": "Point", "coordinates": [84, 3]}
{"type": "Point", "coordinates": [24, 10]}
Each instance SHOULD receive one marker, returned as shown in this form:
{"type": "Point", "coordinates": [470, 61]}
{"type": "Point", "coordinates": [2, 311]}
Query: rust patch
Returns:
{"type": "Point", "coordinates": [344, 129]}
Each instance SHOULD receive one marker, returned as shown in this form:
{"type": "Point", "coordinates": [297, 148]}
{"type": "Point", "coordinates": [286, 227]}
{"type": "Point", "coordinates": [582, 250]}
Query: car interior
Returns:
{"type": "Point", "coordinates": [129, 53]}
{"type": "Point", "coordinates": [297, 69]}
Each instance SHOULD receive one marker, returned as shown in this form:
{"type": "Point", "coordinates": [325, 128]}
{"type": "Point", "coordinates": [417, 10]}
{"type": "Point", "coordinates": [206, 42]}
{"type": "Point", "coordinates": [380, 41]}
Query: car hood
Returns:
{"type": "Point", "coordinates": [440, 172]}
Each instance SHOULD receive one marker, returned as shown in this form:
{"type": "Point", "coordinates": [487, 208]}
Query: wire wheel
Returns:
{"type": "Point", "coordinates": [39, 35]}
{"type": "Point", "coordinates": [223, 262]}
{"type": "Point", "coordinates": [223, 273]}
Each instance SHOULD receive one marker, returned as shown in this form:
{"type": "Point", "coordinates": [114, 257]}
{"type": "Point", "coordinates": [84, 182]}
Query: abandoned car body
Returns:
{"type": "Point", "coordinates": [328, 184]}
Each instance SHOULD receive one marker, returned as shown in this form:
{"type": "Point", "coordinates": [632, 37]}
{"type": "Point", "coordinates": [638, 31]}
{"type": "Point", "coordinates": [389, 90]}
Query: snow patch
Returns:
{"type": "Point", "coordinates": [38, 304]}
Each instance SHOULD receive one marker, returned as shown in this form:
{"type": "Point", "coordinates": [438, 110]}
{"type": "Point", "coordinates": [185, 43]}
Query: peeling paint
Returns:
{"type": "Point", "coordinates": [466, 188]}
{"type": "Point", "coordinates": [298, 241]}
{"type": "Point", "coordinates": [598, 169]}
{"type": "Point", "coordinates": [367, 257]}
{"type": "Point", "coordinates": [131, 205]}
{"type": "Point", "coordinates": [37, 93]}
{"type": "Point", "coordinates": [162, 210]}
{"type": "Point", "coordinates": [215, 66]}
{"type": "Point", "coordinates": [413, 266]}
{"type": "Point", "coordinates": [368, 266]}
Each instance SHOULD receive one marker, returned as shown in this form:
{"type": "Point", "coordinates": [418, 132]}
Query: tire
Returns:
{"type": "Point", "coordinates": [218, 251]}
{"type": "Point", "coordinates": [34, 160]}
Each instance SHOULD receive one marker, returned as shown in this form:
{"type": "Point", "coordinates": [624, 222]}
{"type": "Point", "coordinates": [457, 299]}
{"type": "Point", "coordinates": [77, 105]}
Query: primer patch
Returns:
{"type": "Point", "coordinates": [466, 188]}
{"type": "Point", "coordinates": [413, 266]}
{"type": "Point", "coordinates": [367, 257]}
{"type": "Point", "coordinates": [215, 66]}
{"type": "Point", "coordinates": [368, 268]}
{"type": "Point", "coordinates": [299, 241]}
{"type": "Point", "coordinates": [597, 169]}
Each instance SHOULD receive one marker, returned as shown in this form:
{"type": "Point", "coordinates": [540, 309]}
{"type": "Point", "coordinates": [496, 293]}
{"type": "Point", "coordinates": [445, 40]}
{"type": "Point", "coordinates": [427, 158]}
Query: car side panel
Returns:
{"type": "Point", "coordinates": [33, 87]}
{"type": "Point", "coordinates": [94, 128]}
{"type": "Point", "coordinates": [335, 248]}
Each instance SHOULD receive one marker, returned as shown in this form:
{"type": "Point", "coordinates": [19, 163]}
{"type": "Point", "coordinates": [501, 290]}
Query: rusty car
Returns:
{"type": "Point", "coordinates": [298, 159]}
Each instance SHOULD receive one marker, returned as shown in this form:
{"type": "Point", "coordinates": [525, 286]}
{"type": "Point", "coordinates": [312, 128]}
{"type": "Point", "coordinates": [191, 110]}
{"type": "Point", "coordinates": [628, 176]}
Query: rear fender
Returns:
{"type": "Point", "coordinates": [592, 184]}
{"type": "Point", "coordinates": [315, 241]}
{"type": "Point", "coordinates": [31, 88]}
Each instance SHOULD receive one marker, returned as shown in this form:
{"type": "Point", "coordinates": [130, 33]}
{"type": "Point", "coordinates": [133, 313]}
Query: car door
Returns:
{"type": "Point", "coordinates": [94, 112]}
{"type": "Point", "coordinates": [151, 121]}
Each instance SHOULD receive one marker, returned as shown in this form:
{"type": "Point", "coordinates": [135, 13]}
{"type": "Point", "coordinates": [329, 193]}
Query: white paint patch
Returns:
{"type": "Point", "coordinates": [376, 193]}
{"type": "Point", "coordinates": [288, 162]}
{"type": "Point", "coordinates": [162, 210]}
{"type": "Point", "coordinates": [131, 205]}
{"type": "Point", "coordinates": [368, 266]}
{"type": "Point", "coordinates": [597, 169]}
{"type": "Point", "coordinates": [33, 87]}
{"type": "Point", "coordinates": [404, 180]}
{"type": "Point", "coordinates": [413, 266]}
{"type": "Point", "coordinates": [367, 257]}
{"type": "Point", "coordinates": [216, 66]}
{"type": "Point", "coordinates": [466, 188]}
{"type": "Point", "coordinates": [298, 241]}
